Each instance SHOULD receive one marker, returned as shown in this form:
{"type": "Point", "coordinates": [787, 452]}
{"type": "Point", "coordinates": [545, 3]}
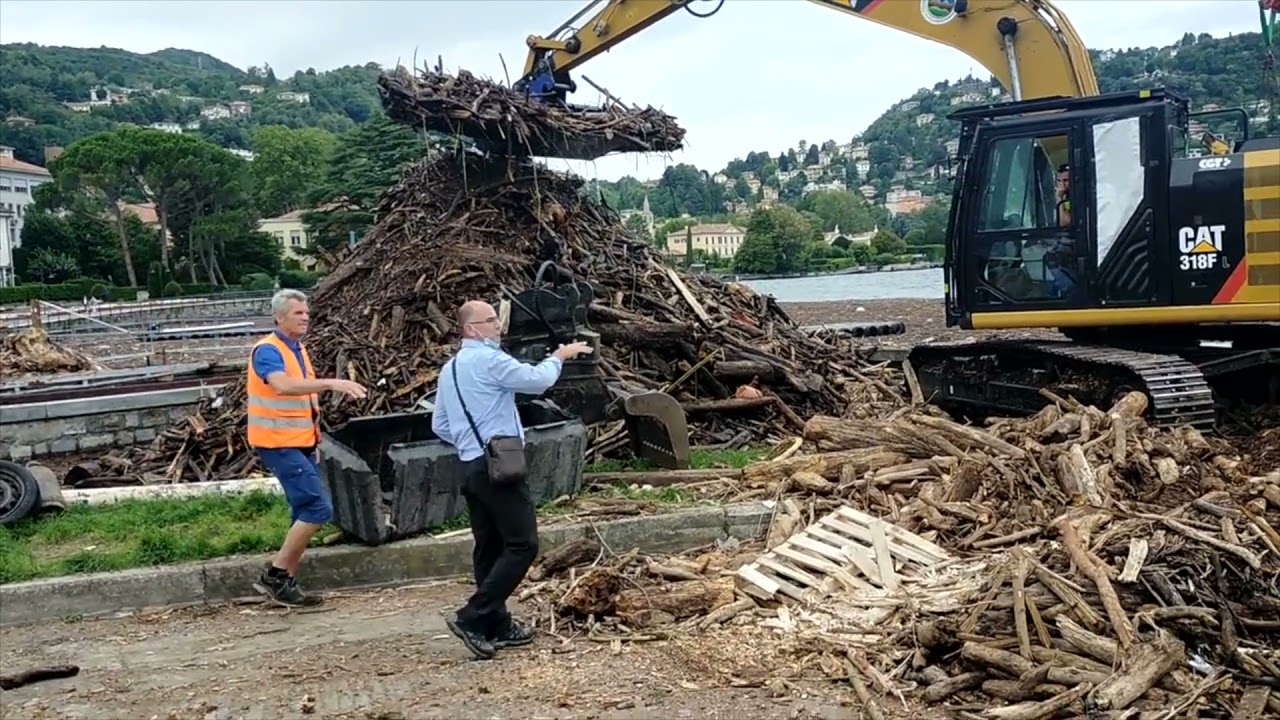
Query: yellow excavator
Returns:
{"type": "Point", "coordinates": [1095, 215]}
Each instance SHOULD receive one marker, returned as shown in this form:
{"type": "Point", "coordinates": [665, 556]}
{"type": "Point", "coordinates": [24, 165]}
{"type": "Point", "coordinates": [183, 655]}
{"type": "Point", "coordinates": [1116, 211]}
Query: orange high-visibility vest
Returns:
{"type": "Point", "coordinates": [282, 421]}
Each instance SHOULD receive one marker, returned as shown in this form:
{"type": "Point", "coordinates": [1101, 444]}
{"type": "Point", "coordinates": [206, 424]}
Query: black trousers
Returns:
{"type": "Point", "coordinates": [505, 527]}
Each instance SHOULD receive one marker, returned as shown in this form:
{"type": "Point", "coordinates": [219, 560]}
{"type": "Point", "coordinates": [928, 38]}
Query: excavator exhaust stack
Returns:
{"type": "Point", "coordinates": [554, 312]}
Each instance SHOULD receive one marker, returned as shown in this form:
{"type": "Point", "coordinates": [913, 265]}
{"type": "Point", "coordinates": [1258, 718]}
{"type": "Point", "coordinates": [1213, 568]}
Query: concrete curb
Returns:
{"type": "Point", "coordinates": [218, 581]}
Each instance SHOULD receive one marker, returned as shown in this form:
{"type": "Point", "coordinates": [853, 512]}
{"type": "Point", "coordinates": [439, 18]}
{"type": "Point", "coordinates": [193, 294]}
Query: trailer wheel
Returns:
{"type": "Point", "coordinates": [19, 493]}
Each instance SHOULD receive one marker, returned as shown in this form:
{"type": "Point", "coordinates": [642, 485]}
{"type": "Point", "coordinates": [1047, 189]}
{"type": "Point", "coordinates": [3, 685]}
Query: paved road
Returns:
{"type": "Point", "coordinates": [379, 654]}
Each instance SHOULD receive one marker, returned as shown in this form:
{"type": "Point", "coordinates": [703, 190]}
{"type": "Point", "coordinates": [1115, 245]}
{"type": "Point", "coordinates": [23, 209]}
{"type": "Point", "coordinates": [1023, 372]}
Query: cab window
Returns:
{"type": "Point", "coordinates": [1019, 187]}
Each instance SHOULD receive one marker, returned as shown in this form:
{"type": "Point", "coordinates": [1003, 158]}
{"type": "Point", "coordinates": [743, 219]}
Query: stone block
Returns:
{"type": "Point", "coordinates": [19, 453]}
{"type": "Point", "coordinates": [93, 442]}
{"type": "Point", "coordinates": [667, 533]}
{"type": "Point", "coordinates": [64, 445]}
{"type": "Point", "coordinates": [144, 435]}
{"type": "Point", "coordinates": [76, 595]}
{"type": "Point", "coordinates": [105, 423]}
{"type": "Point", "coordinates": [132, 419]}
{"type": "Point", "coordinates": [747, 521]}
{"type": "Point", "coordinates": [40, 449]}
{"type": "Point", "coordinates": [125, 438]}
{"type": "Point", "coordinates": [154, 417]}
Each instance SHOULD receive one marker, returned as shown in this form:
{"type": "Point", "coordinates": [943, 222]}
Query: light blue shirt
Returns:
{"type": "Point", "coordinates": [489, 379]}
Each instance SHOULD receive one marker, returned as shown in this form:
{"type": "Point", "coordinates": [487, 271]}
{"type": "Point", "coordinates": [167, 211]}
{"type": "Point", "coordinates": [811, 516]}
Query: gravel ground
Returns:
{"type": "Point", "coordinates": [383, 654]}
{"type": "Point", "coordinates": [925, 320]}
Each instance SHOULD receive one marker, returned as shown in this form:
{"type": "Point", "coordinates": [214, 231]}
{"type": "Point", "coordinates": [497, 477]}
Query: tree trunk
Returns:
{"type": "Point", "coordinates": [191, 251]}
{"type": "Point", "coordinates": [164, 237]}
{"type": "Point", "coordinates": [125, 253]}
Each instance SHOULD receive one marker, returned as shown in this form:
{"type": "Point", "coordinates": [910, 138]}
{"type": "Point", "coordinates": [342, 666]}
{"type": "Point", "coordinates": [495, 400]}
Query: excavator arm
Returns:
{"type": "Point", "coordinates": [1028, 45]}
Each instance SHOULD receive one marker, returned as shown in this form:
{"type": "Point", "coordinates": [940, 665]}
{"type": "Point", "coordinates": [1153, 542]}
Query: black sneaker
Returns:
{"type": "Point", "coordinates": [513, 634]}
{"type": "Point", "coordinates": [284, 590]}
{"type": "Point", "coordinates": [477, 643]}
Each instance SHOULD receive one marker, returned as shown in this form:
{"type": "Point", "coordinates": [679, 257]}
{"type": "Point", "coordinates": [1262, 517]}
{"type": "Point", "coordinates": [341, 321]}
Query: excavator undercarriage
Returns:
{"type": "Point", "coordinates": [1222, 372]}
{"type": "Point", "coordinates": [553, 312]}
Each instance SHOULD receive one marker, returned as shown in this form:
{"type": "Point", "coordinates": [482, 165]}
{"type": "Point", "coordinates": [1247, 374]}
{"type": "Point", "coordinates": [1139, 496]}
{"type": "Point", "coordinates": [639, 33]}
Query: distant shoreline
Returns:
{"type": "Point", "coordinates": [856, 270]}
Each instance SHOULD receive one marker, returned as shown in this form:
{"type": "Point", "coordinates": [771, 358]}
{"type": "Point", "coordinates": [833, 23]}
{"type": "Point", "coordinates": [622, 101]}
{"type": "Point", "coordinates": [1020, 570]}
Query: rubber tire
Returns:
{"type": "Point", "coordinates": [10, 472]}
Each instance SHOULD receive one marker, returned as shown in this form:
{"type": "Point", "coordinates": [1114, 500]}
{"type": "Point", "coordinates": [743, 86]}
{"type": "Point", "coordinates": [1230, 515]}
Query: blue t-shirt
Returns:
{"type": "Point", "coordinates": [266, 360]}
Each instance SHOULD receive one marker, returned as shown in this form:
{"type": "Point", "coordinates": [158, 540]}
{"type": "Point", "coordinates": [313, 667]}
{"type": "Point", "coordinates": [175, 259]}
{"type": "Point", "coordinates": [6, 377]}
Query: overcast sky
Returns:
{"type": "Point", "coordinates": [759, 75]}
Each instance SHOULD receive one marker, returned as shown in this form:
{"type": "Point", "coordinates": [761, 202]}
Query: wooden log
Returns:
{"type": "Point", "coordinates": [575, 552]}
{"type": "Point", "coordinates": [1092, 569]}
{"type": "Point", "coordinates": [1042, 709]}
{"type": "Point", "coordinates": [828, 465]}
{"type": "Point", "coordinates": [1131, 406]}
{"type": "Point", "coordinates": [679, 600]}
{"type": "Point", "coordinates": [647, 335]}
{"type": "Point", "coordinates": [726, 406]}
{"type": "Point", "coordinates": [26, 677]}
{"type": "Point", "coordinates": [660, 478]}
{"type": "Point", "coordinates": [939, 691]}
{"type": "Point", "coordinates": [1078, 477]}
{"type": "Point", "coordinates": [1142, 666]}
{"type": "Point", "coordinates": [746, 370]}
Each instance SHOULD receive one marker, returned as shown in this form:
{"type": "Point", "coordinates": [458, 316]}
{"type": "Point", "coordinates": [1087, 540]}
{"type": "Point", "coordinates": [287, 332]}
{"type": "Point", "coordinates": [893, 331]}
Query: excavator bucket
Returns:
{"type": "Point", "coordinates": [554, 312]}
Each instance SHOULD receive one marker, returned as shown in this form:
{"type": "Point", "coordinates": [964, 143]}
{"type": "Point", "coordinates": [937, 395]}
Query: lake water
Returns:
{"type": "Point", "coordinates": [868, 286]}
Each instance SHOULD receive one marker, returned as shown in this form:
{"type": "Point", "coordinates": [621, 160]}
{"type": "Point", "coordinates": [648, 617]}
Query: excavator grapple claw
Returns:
{"type": "Point", "coordinates": [554, 312]}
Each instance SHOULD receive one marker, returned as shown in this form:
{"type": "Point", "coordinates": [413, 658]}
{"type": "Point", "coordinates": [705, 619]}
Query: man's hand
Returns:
{"type": "Point", "coordinates": [572, 350]}
{"type": "Point", "coordinates": [348, 388]}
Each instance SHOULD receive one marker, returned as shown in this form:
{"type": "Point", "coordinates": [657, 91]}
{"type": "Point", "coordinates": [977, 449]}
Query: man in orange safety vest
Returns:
{"type": "Point", "coordinates": [284, 429]}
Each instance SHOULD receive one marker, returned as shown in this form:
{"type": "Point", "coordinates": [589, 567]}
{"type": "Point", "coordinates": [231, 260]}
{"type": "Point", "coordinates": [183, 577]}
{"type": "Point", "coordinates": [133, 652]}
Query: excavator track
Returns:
{"type": "Point", "coordinates": [1006, 376]}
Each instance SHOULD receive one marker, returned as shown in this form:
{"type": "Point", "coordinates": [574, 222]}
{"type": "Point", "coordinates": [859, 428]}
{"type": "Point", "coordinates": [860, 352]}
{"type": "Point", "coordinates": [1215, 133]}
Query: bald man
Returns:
{"type": "Point", "coordinates": [503, 522]}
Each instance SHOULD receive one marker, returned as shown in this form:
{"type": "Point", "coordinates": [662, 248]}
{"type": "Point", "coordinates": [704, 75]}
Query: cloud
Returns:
{"type": "Point", "coordinates": [759, 75]}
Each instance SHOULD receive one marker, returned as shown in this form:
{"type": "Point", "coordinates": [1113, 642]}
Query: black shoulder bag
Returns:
{"type": "Point", "coordinates": [504, 453]}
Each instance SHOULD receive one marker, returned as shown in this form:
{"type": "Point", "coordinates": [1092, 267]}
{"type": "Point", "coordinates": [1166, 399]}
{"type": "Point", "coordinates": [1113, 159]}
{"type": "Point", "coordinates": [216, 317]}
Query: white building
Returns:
{"type": "Point", "coordinates": [18, 181]}
{"type": "Point", "coordinates": [6, 250]}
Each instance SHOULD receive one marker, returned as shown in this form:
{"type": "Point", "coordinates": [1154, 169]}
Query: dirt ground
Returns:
{"type": "Point", "coordinates": [376, 654]}
{"type": "Point", "coordinates": [924, 318]}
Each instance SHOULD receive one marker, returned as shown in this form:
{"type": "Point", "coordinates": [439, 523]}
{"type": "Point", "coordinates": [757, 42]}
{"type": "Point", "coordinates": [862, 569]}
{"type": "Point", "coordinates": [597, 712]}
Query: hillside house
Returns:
{"type": "Point", "coordinates": [863, 167]}
{"type": "Point", "coordinates": [216, 112]}
{"type": "Point", "coordinates": [868, 191]}
{"type": "Point", "coordinates": [813, 172]}
{"type": "Point", "coordinates": [291, 235]}
{"type": "Point", "coordinates": [720, 178]}
{"type": "Point", "coordinates": [859, 152]}
{"type": "Point", "coordinates": [910, 106]}
{"type": "Point", "coordinates": [169, 127]}
{"type": "Point", "coordinates": [19, 121]}
{"type": "Point", "coordinates": [952, 146]}
{"type": "Point", "coordinates": [240, 108]}
{"type": "Point", "coordinates": [301, 98]}
{"type": "Point", "coordinates": [900, 201]}
{"type": "Point", "coordinates": [840, 239]}
{"type": "Point", "coordinates": [924, 119]}
{"type": "Point", "coordinates": [718, 240]}
{"type": "Point", "coordinates": [246, 154]}
{"type": "Point", "coordinates": [252, 89]}
{"type": "Point", "coordinates": [819, 187]}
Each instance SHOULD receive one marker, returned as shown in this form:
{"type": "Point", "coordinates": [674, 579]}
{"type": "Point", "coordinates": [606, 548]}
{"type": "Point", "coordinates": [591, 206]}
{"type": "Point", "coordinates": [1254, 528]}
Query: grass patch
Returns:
{"type": "Point", "coordinates": [142, 533]}
{"type": "Point", "coordinates": [698, 460]}
{"type": "Point", "coordinates": [146, 533]}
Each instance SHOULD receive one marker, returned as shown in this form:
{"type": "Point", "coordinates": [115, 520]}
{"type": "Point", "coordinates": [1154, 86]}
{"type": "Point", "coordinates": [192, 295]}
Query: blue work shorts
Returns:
{"type": "Point", "coordinates": [299, 476]}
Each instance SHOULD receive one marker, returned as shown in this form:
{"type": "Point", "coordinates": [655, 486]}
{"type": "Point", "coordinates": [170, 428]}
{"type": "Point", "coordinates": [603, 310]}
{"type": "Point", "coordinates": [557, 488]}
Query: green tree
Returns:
{"type": "Point", "coordinates": [639, 226]}
{"type": "Point", "coordinates": [367, 161]}
{"type": "Point", "coordinates": [886, 243]}
{"type": "Point", "coordinates": [778, 240]}
{"type": "Point", "coordinates": [840, 208]}
{"type": "Point", "coordinates": [288, 166]}
{"type": "Point", "coordinates": [101, 167]}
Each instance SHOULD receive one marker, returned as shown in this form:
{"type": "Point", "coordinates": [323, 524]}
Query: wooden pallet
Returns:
{"type": "Point", "coordinates": [844, 549]}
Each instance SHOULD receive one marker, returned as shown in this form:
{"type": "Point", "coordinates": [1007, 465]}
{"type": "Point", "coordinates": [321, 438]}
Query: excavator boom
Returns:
{"type": "Point", "coordinates": [1029, 45]}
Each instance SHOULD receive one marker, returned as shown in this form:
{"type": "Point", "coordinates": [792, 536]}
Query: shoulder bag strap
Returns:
{"type": "Point", "coordinates": [453, 369]}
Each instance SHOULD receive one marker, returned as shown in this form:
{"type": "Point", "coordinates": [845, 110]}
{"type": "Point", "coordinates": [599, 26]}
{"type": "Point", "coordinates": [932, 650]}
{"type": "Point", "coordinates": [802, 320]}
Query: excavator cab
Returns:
{"type": "Point", "coordinates": [554, 312]}
{"type": "Point", "coordinates": [1085, 215]}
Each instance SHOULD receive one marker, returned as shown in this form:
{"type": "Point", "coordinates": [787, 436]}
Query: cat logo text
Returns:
{"type": "Point", "coordinates": [1200, 246]}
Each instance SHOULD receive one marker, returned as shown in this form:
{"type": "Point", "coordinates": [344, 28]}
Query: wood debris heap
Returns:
{"type": "Point", "coordinates": [464, 227]}
{"type": "Point", "coordinates": [507, 121]}
{"type": "Point", "coordinates": [1075, 563]}
{"type": "Point", "coordinates": [30, 350]}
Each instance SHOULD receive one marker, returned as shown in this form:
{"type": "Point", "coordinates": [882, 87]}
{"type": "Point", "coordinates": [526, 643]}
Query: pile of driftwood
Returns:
{"type": "Point", "coordinates": [1092, 565]}
{"type": "Point", "coordinates": [463, 227]}
{"type": "Point", "coordinates": [30, 350]}
{"type": "Point", "coordinates": [505, 121]}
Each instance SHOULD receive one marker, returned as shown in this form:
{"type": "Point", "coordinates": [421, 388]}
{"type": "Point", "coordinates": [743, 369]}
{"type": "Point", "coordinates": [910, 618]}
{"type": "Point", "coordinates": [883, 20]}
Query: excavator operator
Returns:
{"type": "Point", "coordinates": [1063, 190]}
